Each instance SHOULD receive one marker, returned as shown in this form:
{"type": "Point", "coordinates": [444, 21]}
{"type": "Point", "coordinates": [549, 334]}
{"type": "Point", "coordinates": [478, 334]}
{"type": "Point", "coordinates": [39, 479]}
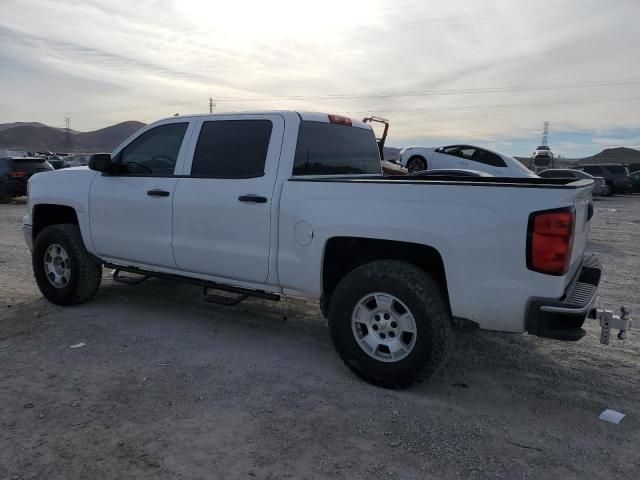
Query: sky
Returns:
{"type": "Point", "coordinates": [454, 71]}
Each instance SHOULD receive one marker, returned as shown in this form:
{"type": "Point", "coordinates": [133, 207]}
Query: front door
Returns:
{"type": "Point", "coordinates": [130, 210]}
{"type": "Point", "coordinates": [222, 205]}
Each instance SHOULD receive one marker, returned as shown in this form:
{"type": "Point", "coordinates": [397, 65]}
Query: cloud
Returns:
{"type": "Point", "coordinates": [115, 60]}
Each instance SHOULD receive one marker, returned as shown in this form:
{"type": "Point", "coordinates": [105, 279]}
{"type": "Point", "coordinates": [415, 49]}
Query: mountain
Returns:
{"type": "Point", "coordinates": [614, 155]}
{"type": "Point", "coordinates": [31, 136]}
{"type": "Point", "coordinates": [106, 139]}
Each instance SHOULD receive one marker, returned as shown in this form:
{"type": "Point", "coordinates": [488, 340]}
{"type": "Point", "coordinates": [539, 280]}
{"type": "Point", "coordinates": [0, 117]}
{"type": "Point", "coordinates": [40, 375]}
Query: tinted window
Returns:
{"type": "Point", "coordinates": [488, 158]}
{"type": "Point", "coordinates": [232, 149]}
{"type": "Point", "coordinates": [461, 151]}
{"type": "Point", "coordinates": [617, 170]}
{"type": "Point", "coordinates": [154, 152]}
{"type": "Point", "coordinates": [592, 169]}
{"type": "Point", "coordinates": [580, 174]}
{"type": "Point", "coordinates": [332, 149]}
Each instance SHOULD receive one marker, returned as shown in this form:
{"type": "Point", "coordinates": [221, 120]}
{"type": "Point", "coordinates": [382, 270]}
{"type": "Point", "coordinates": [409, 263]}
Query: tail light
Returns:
{"type": "Point", "coordinates": [340, 120]}
{"type": "Point", "coordinates": [550, 240]}
{"type": "Point", "coordinates": [17, 174]}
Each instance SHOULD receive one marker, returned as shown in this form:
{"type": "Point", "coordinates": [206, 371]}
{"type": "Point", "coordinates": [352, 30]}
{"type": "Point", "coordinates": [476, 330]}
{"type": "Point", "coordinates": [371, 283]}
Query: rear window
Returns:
{"type": "Point", "coordinates": [333, 149]}
{"type": "Point", "coordinates": [488, 158]}
{"type": "Point", "coordinates": [29, 160]}
{"type": "Point", "coordinates": [592, 170]}
{"type": "Point", "coordinates": [615, 169]}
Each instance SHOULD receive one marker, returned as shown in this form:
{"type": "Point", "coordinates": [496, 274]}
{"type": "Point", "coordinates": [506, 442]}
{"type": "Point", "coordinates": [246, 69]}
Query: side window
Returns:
{"type": "Point", "coordinates": [155, 152]}
{"type": "Point", "coordinates": [467, 152]}
{"type": "Point", "coordinates": [546, 174]}
{"type": "Point", "coordinates": [592, 170]}
{"type": "Point", "coordinates": [488, 158]}
{"type": "Point", "coordinates": [232, 149]}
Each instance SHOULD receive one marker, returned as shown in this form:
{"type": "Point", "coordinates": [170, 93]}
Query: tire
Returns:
{"type": "Point", "coordinates": [5, 197]}
{"type": "Point", "coordinates": [612, 189]}
{"type": "Point", "coordinates": [608, 191]}
{"type": "Point", "coordinates": [416, 164]}
{"type": "Point", "coordinates": [414, 290]}
{"type": "Point", "coordinates": [84, 274]}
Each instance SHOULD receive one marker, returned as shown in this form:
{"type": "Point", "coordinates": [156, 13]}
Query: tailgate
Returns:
{"type": "Point", "coordinates": [584, 211]}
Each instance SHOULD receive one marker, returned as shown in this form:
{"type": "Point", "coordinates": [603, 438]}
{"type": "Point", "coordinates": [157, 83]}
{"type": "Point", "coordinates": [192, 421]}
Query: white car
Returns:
{"type": "Point", "coordinates": [468, 157]}
{"type": "Point", "coordinates": [269, 204]}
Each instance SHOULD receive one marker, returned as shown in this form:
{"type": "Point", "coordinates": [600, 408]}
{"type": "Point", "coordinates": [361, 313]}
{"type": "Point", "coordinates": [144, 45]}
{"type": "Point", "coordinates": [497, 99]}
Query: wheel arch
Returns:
{"type": "Point", "coordinates": [343, 254]}
{"type": "Point", "coordinates": [47, 214]}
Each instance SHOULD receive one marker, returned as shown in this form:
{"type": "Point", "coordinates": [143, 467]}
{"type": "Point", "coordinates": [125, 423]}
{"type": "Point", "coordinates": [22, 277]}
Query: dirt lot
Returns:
{"type": "Point", "coordinates": [170, 387]}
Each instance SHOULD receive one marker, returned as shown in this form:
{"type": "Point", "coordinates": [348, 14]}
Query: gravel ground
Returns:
{"type": "Point", "coordinates": [168, 386]}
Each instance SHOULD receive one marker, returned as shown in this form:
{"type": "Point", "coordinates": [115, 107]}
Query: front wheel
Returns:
{"type": "Point", "coordinates": [416, 164]}
{"type": "Point", "coordinates": [65, 272]}
{"type": "Point", "coordinates": [390, 323]}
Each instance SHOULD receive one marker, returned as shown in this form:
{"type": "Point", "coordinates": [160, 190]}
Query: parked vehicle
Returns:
{"type": "Point", "coordinates": [56, 162]}
{"type": "Point", "coordinates": [614, 174]}
{"type": "Point", "coordinates": [600, 186]}
{"type": "Point", "coordinates": [287, 203]}
{"type": "Point", "coordinates": [15, 172]}
{"type": "Point", "coordinates": [443, 172]}
{"type": "Point", "coordinates": [466, 157]}
{"type": "Point", "coordinates": [635, 181]}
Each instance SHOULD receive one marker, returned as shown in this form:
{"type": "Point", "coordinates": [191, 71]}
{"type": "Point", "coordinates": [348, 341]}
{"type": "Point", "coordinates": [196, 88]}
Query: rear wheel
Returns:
{"type": "Point", "coordinates": [390, 324]}
{"type": "Point", "coordinates": [611, 189]}
{"type": "Point", "coordinates": [416, 164]}
{"type": "Point", "coordinates": [65, 272]}
{"type": "Point", "coordinates": [5, 196]}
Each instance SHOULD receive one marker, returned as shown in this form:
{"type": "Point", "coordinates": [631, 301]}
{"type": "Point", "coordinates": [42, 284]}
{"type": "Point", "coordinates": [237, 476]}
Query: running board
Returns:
{"type": "Point", "coordinates": [128, 280]}
{"type": "Point", "coordinates": [242, 293]}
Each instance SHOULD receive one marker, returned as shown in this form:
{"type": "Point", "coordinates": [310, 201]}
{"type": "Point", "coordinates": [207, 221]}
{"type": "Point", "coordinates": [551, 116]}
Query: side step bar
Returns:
{"type": "Point", "coordinates": [242, 293]}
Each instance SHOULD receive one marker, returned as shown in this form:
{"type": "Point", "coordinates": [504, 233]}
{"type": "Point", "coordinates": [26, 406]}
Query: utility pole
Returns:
{"type": "Point", "coordinates": [212, 105]}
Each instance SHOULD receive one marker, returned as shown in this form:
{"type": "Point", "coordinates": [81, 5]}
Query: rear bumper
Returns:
{"type": "Point", "coordinates": [17, 187]}
{"type": "Point", "coordinates": [562, 318]}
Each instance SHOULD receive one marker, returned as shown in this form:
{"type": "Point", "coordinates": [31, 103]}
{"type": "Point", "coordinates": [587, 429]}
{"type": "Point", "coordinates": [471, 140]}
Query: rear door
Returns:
{"type": "Point", "coordinates": [130, 211]}
{"type": "Point", "coordinates": [223, 200]}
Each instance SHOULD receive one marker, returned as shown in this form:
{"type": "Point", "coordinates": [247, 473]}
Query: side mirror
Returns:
{"type": "Point", "coordinates": [100, 162]}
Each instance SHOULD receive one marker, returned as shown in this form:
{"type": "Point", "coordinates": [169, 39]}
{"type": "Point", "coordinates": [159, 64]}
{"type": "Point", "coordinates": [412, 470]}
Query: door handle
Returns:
{"type": "Point", "coordinates": [252, 198]}
{"type": "Point", "coordinates": [158, 193]}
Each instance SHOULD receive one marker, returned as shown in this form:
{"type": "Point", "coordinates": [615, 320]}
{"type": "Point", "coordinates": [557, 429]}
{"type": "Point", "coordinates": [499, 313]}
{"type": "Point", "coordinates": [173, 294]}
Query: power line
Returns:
{"type": "Point", "coordinates": [513, 105]}
{"type": "Point", "coordinates": [465, 91]}
{"type": "Point", "coordinates": [470, 91]}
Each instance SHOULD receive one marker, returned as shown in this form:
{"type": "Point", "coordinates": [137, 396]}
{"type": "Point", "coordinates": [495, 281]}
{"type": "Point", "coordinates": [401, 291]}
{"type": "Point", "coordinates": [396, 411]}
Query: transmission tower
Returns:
{"type": "Point", "coordinates": [545, 133]}
{"type": "Point", "coordinates": [67, 134]}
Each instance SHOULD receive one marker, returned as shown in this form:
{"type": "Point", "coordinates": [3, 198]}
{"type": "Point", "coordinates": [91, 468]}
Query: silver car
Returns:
{"type": "Point", "coordinates": [600, 186]}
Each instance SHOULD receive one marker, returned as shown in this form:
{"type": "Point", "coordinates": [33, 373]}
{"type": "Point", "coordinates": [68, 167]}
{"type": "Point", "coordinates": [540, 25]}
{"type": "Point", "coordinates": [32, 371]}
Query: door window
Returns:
{"type": "Point", "coordinates": [232, 149]}
{"type": "Point", "coordinates": [462, 151]}
{"type": "Point", "coordinates": [154, 153]}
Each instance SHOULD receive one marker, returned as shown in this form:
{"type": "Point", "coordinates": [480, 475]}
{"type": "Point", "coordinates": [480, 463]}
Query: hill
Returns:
{"type": "Point", "coordinates": [32, 136]}
{"type": "Point", "coordinates": [614, 155]}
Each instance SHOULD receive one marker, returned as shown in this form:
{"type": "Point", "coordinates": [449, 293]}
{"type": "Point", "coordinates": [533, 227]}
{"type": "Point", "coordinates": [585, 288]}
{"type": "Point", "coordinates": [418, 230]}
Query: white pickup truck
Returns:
{"type": "Point", "coordinates": [291, 203]}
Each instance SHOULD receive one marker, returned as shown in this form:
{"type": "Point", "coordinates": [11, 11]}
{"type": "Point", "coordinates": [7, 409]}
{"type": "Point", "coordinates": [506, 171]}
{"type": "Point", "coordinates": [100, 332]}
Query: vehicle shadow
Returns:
{"type": "Point", "coordinates": [484, 367]}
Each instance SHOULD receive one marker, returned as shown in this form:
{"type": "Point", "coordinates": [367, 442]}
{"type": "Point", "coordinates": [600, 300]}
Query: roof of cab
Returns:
{"type": "Point", "coordinates": [307, 116]}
